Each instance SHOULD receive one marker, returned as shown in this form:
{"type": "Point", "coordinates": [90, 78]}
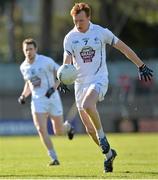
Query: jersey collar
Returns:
{"type": "Point", "coordinates": [36, 57]}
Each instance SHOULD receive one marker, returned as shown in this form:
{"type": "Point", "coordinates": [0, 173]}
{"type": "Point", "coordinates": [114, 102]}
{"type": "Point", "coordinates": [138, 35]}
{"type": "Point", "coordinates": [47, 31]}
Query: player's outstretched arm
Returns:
{"type": "Point", "coordinates": [145, 73]}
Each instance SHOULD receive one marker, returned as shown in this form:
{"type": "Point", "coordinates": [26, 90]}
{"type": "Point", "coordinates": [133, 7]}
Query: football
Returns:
{"type": "Point", "coordinates": [67, 74]}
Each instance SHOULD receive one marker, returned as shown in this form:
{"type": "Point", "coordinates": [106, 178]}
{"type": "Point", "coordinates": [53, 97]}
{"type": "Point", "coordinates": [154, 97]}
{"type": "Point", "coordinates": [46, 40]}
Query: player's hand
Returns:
{"type": "Point", "coordinates": [22, 99]}
{"type": "Point", "coordinates": [50, 92]}
{"type": "Point", "coordinates": [145, 73]}
{"type": "Point", "coordinates": [63, 88]}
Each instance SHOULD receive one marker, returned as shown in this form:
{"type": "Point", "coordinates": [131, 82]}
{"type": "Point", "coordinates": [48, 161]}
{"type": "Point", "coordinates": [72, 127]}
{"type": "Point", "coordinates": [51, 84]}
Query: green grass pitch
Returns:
{"type": "Point", "coordinates": [26, 158]}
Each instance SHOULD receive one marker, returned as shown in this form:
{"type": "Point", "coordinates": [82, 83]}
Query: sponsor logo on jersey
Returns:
{"type": "Point", "coordinates": [87, 53]}
{"type": "Point", "coordinates": [36, 81]}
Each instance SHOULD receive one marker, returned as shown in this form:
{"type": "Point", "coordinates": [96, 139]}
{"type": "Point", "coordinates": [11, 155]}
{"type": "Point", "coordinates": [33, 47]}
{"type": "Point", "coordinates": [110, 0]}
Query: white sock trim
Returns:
{"type": "Point", "coordinates": [52, 154]}
{"type": "Point", "coordinates": [100, 133]}
{"type": "Point", "coordinates": [109, 154]}
{"type": "Point", "coordinates": [67, 126]}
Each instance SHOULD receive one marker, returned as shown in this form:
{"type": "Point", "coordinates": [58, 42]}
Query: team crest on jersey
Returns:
{"type": "Point", "coordinates": [96, 40]}
{"type": "Point", "coordinates": [87, 53]}
{"type": "Point", "coordinates": [33, 71]}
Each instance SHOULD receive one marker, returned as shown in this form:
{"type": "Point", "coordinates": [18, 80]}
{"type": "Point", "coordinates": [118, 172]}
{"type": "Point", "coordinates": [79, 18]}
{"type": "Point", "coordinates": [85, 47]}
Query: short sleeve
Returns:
{"type": "Point", "coordinates": [22, 72]}
{"type": "Point", "coordinates": [109, 37]}
{"type": "Point", "coordinates": [67, 45]}
{"type": "Point", "coordinates": [53, 65]}
{"type": "Point", "coordinates": [56, 66]}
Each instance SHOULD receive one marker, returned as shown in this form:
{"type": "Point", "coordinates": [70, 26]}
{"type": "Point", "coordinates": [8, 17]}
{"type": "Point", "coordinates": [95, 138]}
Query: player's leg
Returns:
{"type": "Point", "coordinates": [61, 128]}
{"type": "Point", "coordinates": [88, 125]}
{"type": "Point", "coordinates": [87, 95]}
{"type": "Point", "coordinates": [58, 126]}
{"type": "Point", "coordinates": [57, 123]}
{"type": "Point", "coordinates": [40, 122]}
{"type": "Point", "coordinates": [56, 114]}
{"type": "Point", "coordinates": [86, 98]}
{"type": "Point", "coordinates": [89, 106]}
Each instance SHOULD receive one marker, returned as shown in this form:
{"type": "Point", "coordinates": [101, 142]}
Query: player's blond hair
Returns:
{"type": "Point", "coordinates": [30, 41]}
{"type": "Point", "coordinates": [78, 7]}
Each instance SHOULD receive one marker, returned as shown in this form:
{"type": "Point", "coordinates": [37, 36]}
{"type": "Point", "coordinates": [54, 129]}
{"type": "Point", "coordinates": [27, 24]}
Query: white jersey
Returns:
{"type": "Point", "coordinates": [89, 52]}
{"type": "Point", "coordinates": [40, 74]}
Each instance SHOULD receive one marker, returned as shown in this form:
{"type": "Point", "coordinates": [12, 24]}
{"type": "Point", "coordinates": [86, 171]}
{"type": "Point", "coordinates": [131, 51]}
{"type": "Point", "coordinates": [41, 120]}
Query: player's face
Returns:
{"type": "Point", "coordinates": [81, 21]}
{"type": "Point", "coordinates": [29, 51]}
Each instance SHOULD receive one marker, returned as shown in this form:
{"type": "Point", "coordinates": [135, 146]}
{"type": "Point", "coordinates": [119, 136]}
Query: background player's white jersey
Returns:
{"type": "Point", "coordinates": [40, 74]}
{"type": "Point", "coordinates": [89, 50]}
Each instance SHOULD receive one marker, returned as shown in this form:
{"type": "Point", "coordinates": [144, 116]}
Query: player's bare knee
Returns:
{"type": "Point", "coordinates": [40, 130]}
{"type": "Point", "coordinates": [87, 106]}
{"type": "Point", "coordinates": [88, 109]}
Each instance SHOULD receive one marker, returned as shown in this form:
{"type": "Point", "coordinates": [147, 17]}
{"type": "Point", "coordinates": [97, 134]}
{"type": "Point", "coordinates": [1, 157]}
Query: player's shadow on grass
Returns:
{"type": "Point", "coordinates": [147, 172]}
{"type": "Point", "coordinates": [51, 176]}
{"type": "Point", "coordinates": [117, 174]}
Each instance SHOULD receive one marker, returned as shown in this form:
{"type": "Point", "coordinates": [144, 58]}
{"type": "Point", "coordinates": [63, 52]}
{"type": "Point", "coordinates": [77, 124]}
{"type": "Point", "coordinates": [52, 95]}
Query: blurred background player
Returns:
{"type": "Point", "coordinates": [39, 73]}
{"type": "Point", "coordinates": [84, 46]}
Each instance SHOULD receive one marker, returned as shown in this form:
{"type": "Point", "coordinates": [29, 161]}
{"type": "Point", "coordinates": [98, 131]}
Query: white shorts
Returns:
{"type": "Point", "coordinates": [101, 86]}
{"type": "Point", "coordinates": [52, 105]}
